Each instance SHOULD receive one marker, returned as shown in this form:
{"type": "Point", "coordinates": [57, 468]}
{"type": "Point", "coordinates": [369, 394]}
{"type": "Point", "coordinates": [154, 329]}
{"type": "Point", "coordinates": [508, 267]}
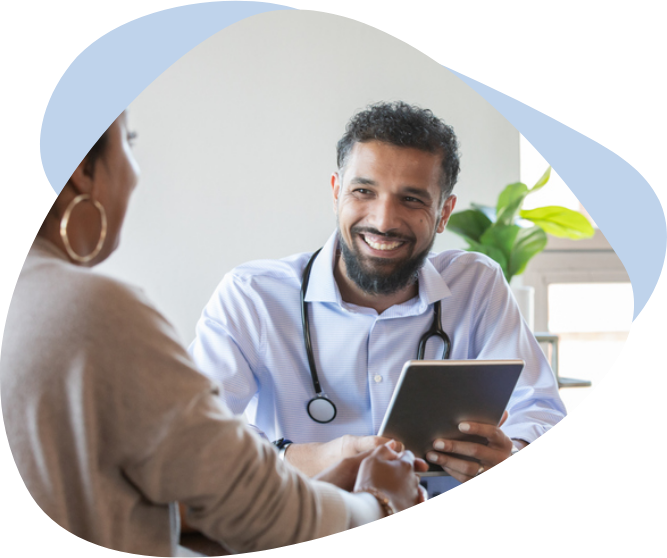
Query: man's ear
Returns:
{"type": "Point", "coordinates": [447, 209]}
{"type": "Point", "coordinates": [335, 190]}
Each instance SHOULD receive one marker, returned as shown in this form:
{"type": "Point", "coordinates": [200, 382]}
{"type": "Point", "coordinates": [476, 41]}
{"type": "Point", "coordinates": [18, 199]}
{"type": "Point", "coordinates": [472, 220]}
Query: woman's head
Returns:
{"type": "Point", "coordinates": [95, 153]}
{"type": "Point", "coordinates": [101, 184]}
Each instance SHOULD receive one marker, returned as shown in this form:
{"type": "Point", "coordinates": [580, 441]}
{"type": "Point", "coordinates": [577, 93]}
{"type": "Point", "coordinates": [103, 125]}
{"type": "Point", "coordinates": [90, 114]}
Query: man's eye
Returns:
{"type": "Point", "coordinates": [414, 200]}
{"type": "Point", "coordinates": [362, 191]}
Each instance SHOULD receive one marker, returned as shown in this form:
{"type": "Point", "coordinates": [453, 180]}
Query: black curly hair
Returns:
{"type": "Point", "coordinates": [404, 125]}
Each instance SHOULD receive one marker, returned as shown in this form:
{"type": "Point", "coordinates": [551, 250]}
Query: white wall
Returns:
{"type": "Point", "coordinates": [237, 145]}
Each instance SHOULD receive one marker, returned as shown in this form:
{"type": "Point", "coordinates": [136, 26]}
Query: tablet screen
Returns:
{"type": "Point", "coordinates": [433, 396]}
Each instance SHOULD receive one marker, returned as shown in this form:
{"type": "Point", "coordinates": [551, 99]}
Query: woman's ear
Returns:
{"type": "Point", "coordinates": [81, 180]}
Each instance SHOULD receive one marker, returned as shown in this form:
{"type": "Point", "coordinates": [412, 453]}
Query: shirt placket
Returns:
{"type": "Point", "coordinates": [380, 383]}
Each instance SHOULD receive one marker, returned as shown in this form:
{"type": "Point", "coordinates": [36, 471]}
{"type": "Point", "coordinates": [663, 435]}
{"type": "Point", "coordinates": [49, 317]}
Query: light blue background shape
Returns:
{"type": "Point", "coordinates": [106, 77]}
{"type": "Point", "coordinates": [616, 196]}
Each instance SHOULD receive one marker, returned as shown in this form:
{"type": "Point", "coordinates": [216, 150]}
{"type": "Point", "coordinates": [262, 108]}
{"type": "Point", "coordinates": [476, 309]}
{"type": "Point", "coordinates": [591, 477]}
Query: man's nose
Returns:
{"type": "Point", "coordinates": [386, 215]}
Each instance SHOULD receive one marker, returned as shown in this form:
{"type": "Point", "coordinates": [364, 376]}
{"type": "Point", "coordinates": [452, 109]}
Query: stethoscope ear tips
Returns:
{"type": "Point", "coordinates": [321, 409]}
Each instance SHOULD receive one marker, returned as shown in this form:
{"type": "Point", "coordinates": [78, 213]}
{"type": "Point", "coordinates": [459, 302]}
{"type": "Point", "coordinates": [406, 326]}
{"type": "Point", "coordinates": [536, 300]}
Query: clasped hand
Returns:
{"type": "Point", "coordinates": [498, 449]}
{"type": "Point", "coordinates": [393, 473]}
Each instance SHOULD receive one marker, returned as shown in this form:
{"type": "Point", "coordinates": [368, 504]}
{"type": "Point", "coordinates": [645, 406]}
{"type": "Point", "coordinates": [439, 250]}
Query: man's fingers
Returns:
{"type": "Point", "coordinates": [498, 449]}
{"type": "Point", "coordinates": [420, 465]}
{"type": "Point", "coordinates": [492, 433]}
{"type": "Point", "coordinates": [359, 457]}
{"type": "Point", "coordinates": [363, 443]}
{"type": "Point", "coordinates": [490, 455]}
{"type": "Point", "coordinates": [460, 469]}
{"type": "Point", "coordinates": [502, 420]}
{"type": "Point", "coordinates": [445, 447]}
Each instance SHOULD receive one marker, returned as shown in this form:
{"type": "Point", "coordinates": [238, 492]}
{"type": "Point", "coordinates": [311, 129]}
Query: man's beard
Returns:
{"type": "Point", "coordinates": [370, 278]}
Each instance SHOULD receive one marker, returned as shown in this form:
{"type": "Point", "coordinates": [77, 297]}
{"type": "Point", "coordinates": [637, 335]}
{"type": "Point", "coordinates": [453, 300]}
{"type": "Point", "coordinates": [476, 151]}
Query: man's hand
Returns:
{"type": "Point", "coordinates": [315, 458]}
{"type": "Point", "coordinates": [344, 473]}
{"type": "Point", "coordinates": [498, 449]}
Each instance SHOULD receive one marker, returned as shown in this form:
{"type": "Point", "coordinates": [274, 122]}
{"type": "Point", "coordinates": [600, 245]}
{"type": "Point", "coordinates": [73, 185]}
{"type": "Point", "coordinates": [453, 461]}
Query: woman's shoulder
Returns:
{"type": "Point", "coordinates": [82, 296]}
{"type": "Point", "coordinates": [46, 263]}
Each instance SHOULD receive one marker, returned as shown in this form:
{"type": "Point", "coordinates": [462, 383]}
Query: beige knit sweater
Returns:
{"type": "Point", "coordinates": [110, 424]}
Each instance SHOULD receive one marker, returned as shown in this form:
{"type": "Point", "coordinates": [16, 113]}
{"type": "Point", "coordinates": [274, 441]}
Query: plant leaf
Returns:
{"type": "Point", "coordinates": [528, 243]}
{"type": "Point", "coordinates": [494, 253]}
{"type": "Point", "coordinates": [509, 202]}
{"type": "Point", "coordinates": [490, 212]}
{"type": "Point", "coordinates": [560, 221]}
{"type": "Point", "coordinates": [469, 224]}
{"type": "Point", "coordinates": [501, 237]}
{"type": "Point", "coordinates": [542, 181]}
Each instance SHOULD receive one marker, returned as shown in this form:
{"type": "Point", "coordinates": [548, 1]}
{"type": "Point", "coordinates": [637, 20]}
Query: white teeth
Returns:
{"type": "Point", "coordinates": [382, 246]}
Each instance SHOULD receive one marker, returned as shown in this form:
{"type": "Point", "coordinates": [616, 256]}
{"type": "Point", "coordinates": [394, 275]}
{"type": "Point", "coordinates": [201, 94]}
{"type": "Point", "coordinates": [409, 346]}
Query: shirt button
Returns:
{"type": "Point", "coordinates": [377, 378]}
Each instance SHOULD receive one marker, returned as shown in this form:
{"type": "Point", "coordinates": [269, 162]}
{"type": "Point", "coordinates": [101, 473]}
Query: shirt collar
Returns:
{"type": "Point", "coordinates": [432, 286]}
{"type": "Point", "coordinates": [322, 286]}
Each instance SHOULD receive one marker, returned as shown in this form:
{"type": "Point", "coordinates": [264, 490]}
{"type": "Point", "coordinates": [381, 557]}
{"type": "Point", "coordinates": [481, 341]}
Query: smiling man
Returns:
{"type": "Point", "coordinates": [389, 206]}
{"type": "Point", "coordinates": [367, 297]}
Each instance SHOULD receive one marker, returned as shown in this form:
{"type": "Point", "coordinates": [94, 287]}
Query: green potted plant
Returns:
{"type": "Point", "coordinates": [512, 236]}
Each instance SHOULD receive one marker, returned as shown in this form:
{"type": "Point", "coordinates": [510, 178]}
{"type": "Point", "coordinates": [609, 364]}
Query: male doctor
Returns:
{"type": "Point", "coordinates": [369, 298]}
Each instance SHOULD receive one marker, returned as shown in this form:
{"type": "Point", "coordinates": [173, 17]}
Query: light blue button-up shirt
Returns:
{"type": "Point", "coordinates": [249, 339]}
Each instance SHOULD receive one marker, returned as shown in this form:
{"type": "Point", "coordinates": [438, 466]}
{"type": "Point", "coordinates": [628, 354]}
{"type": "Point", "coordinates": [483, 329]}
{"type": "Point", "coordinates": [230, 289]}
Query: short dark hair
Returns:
{"type": "Point", "coordinates": [95, 153]}
{"type": "Point", "coordinates": [404, 125]}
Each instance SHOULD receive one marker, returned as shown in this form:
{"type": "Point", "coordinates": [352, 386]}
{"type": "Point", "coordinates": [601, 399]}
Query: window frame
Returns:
{"type": "Point", "coordinates": [571, 261]}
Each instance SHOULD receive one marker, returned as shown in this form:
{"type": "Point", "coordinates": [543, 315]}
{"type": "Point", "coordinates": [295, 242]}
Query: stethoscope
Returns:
{"type": "Point", "coordinates": [320, 408]}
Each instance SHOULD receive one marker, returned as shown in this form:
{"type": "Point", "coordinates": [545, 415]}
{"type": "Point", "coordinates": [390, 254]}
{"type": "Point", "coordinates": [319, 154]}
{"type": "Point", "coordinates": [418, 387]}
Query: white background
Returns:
{"type": "Point", "coordinates": [237, 144]}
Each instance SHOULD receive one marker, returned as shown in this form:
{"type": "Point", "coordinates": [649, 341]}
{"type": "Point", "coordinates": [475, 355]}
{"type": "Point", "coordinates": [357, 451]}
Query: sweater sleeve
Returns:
{"type": "Point", "coordinates": [179, 442]}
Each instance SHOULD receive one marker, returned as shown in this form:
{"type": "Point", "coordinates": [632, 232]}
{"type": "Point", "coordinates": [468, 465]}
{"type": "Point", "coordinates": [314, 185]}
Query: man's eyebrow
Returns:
{"type": "Point", "coordinates": [362, 180]}
{"type": "Point", "coordinates": [421, 192]}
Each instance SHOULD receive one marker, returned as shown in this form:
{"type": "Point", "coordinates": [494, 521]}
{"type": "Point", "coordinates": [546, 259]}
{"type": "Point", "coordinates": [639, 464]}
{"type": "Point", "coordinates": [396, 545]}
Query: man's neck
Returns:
{"type": "Point", "coordinates": [352, 294]}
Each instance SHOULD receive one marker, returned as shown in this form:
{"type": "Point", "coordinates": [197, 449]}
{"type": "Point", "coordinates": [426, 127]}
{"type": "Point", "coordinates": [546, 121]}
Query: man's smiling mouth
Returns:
{"type": "Point", "coordinates": [383, 244]}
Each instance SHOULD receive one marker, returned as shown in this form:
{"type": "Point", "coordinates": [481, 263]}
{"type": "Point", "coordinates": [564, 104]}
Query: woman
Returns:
{"type": "Point", "coordinates": [110, 423]}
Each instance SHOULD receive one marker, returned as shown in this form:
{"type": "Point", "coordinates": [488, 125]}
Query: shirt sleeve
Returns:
{"type": "Point", "coordinates": [228, 343]}
{"type": "Point", "coordinates": [501, 332]}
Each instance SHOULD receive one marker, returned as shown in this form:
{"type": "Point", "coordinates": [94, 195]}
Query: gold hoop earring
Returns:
{"type": "Point", "coordinates": [65, 221]}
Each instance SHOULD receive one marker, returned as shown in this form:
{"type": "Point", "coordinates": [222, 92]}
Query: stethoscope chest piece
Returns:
{"type": "Point", "coordinates": [321, 409]}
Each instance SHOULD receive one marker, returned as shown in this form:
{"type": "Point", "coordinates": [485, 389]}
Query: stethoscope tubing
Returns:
{"type": "Point", "coordinates": [306, 325]}
{"type": "Point", "coordinates": [434, 331]}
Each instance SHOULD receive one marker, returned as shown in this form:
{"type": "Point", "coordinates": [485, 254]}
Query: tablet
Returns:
{"type": "Point", "coordinates": [433, 396]}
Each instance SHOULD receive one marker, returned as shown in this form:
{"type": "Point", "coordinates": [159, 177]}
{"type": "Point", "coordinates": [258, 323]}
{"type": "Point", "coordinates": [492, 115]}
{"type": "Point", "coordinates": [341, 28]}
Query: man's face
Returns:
{"type": "Point", "coordinates": [388, 211]}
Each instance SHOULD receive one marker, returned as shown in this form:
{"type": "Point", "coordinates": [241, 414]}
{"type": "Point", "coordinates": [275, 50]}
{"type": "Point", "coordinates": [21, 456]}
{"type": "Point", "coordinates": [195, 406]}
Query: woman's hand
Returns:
{"type": "Point", "coordinates": [316, 458]}
{"type": "Point", "coordinates": [344, 473]}
{"type": "Point", "coordinates": [394, 475]}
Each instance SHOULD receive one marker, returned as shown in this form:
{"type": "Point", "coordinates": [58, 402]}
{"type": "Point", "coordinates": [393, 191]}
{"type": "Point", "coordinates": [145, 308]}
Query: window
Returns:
{"type": "Point", "coordinates": [582, 291]}
{"type": "Point", "coordinates": [592, 321]}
